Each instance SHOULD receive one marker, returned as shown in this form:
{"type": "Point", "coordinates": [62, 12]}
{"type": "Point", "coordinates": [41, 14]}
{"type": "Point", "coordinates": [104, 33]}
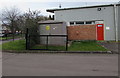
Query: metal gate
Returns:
{"type": "Point", "coordinates": [46, 45]}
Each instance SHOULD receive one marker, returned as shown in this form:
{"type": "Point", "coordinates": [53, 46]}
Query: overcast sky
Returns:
{"type": "Point", "coordinates": [42, 5]}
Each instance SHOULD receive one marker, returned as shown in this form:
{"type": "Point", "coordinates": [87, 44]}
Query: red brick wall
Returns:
{"type": "Point", "coordinates": [82, 32]}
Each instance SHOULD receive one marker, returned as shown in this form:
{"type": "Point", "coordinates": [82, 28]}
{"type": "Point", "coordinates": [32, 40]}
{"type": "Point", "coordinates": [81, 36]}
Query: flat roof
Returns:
{"type": "Point", "coordinates": [52, 10]}
{"type": "Point", "coordinates": [50, 22]}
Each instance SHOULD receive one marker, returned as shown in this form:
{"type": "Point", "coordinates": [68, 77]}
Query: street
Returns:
{"type": "Point", "coordinates": [38, 64]}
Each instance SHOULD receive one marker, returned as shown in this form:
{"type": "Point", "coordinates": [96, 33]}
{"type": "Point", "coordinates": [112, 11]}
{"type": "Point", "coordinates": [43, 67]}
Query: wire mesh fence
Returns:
{"type": "Point", "coordinates": [46, 42]}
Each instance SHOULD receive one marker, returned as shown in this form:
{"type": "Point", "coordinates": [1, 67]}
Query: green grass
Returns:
{"type": "Point", "coordinates": [86, 46]}
{"type": "Point", "coordinates": [14, 45]}
{"type": "Point", "coordinates": [49, 47]}
{"type": "Point", "coordinates": [10, 37]}
{"type": "Point", "coordinates": [75, 46]}
{"type": "Point", "coordinates": [4, 38]}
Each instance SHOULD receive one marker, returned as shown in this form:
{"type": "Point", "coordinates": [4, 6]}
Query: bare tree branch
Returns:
{"type": "Point", "coordinates": [10, 15]}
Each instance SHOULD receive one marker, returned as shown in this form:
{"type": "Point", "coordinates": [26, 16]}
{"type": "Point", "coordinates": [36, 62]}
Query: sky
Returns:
{"type": "Point", "coordinates": [42, 5]}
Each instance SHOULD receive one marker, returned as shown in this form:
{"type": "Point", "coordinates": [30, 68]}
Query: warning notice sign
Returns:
{"type": "Point", "coordinates": [47, 27]}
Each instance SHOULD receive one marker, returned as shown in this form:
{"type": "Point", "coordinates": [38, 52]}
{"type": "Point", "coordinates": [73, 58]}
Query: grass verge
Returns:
{"type": "Point", "coordinates": [4, 38]}
{"type": "Point", "coordinates": [49, 47]}
{"type": "Point", "coordinates": [75, 46]}
{"type": "Point", "coordinates": [86, 46]}
{"type": "Point", "coordinates": [14, 45]}
{"type": "Point", "coordinates": [10, 37]}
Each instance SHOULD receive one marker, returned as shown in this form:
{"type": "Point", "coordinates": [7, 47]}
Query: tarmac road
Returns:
{"type": "Point", "coordinates": [28, 64]}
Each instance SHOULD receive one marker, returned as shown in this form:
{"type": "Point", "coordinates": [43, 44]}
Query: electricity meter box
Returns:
{"type": "Point", "coordinates": [55, 31]}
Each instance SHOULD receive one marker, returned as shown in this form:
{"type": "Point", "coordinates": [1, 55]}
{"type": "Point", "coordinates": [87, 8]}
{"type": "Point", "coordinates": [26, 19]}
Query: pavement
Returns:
{"type": "Point", "coordinates": [112, 46]}
{"type": "Point", "coordinates": [38, 64]}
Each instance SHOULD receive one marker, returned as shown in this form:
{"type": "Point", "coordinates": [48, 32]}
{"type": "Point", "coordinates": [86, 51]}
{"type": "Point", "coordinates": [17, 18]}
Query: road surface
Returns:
{"type": "Point", "coordinates": [28, 64]}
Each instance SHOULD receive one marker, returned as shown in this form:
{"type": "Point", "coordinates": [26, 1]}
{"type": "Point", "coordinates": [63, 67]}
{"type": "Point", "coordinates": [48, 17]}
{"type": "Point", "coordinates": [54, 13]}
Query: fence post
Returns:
{"type": "Point", "coordinates": [6, 37]}
{"type": "Point", "coordinates": [26, 36]}
{"type": "Point", "coordinates": [29, 42]}
{"type": "Point", "coordinates": [66, 42]}
{"type": "Point", "coordinates": [47, 42]}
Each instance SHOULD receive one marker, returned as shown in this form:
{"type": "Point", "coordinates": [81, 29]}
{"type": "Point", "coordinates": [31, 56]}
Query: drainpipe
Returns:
{"type": "Point", "coordinates": [116, 23]}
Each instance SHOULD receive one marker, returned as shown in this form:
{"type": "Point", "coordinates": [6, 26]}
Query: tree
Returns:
{"type": "Point", "coordinates": [10, 16]}
{"type": "Point", "coordinates": [21, 23]}
{"type": "Point", "coordinates": [51, 17]}
{"type": "Point", "coordinates": [31, 19]}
